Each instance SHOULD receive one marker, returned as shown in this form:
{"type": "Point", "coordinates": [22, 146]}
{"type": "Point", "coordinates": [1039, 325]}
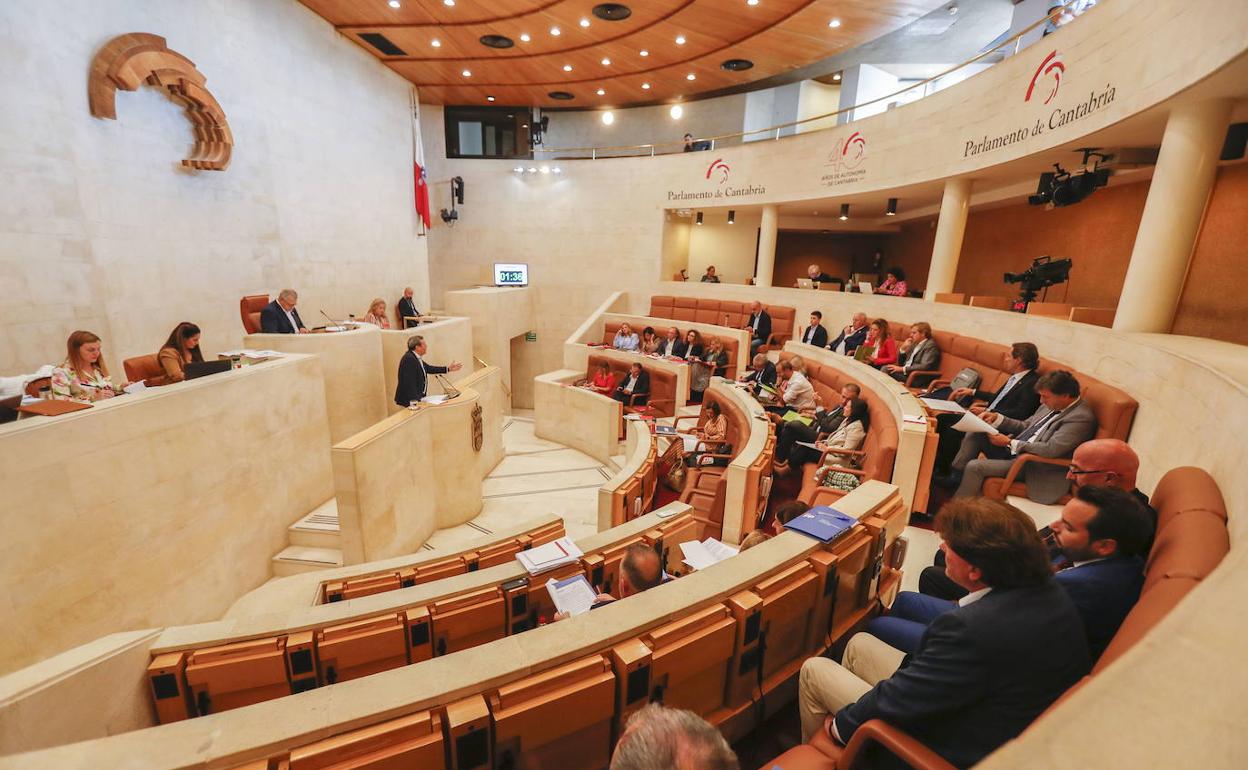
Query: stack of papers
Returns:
{"type": "Point", "coordinates": [573, 596]}
{"type": "Point", "coordinates": [937, 405]}
{"type": "Point", "coordinates": [704, 554]}
{"type": "Point", "coordinates": [550, 556]}
{"type": "Point", "coordinates": [972, 424]}
{"type": "Point", "coordinates": [136, 386]}
{"type": "Point", "coordinates": [248, 353]}
{"type": "Point", "coordinates": [434, 399]}
{"type": "Point", "coordinates": [792, 416]}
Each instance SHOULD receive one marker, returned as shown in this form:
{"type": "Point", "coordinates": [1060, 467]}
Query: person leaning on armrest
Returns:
{"type": "Point", "coordinates": [626, 338]}
{"type": "Point", "coordinates": [280, 315]}
{"type": "Point", "coordinates": [921, 353]}
{"type": "Point", "coordinates": [180, 349]}
{"type": "Point", "coordinates": [634, 388]}
{"type": "Point", "coordinates": [83, 376]}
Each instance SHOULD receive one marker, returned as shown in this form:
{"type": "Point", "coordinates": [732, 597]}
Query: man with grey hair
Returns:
{"type": "Point", "coordinates": [280, 315]}
{"type": "Point", "coordinates": [414, 372]}
{"type": "Point", "coordinates": [660, 738]}
{"type": "Point", "coordinates": [851, 336]}
{"type": "Point", "coordinates": [762, 372]}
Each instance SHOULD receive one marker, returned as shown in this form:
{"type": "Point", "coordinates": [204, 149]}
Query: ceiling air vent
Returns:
{"type": "Point", "coordinates": [496, 41]}
{"type": "Point", "coordinates": [737, 65]}
{"type": "Point", "coordinates": [382, 43]}
{"type": "Point", "coordinates": [612, 11]}
{"type": "Point", "coordinates": [561, 95]}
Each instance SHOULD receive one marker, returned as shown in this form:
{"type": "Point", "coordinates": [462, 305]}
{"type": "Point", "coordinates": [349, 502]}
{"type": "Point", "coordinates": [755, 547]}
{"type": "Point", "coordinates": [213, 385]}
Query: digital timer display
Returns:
{"type": "Point", "coordinates": [511, 275]}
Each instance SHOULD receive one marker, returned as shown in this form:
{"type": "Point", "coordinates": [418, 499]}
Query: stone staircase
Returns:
{"type": "Point", "coordinates": [315, 543]}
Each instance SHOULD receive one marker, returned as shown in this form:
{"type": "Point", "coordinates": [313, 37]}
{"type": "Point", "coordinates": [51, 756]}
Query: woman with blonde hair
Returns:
{"type": "Point", "coordinates": [376, 314]}
{"type": "Point", "coordinates": [84, 375]}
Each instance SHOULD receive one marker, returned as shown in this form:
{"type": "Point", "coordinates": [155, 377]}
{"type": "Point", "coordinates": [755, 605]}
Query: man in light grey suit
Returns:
{"type": "Point", "coordinates": [1058, 427]}
{"type": "Point", "coordinates": [922, 354]}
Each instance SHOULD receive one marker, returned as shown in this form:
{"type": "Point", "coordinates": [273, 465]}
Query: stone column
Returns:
{"type": "Point", "coordinates": [1182, 182]}
{"type": "Point", "coordinates": [950, 227]}
{"type": "Point", "coordinates": [767, 246]}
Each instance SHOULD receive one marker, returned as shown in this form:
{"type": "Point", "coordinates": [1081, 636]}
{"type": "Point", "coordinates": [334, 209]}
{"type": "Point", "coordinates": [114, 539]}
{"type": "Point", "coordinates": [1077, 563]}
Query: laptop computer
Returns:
{"type": "Point", "coordinates": [8, 408]}
{"type": "Point", "coordinates": [196, 369]}
{"type": "Point", "coordinates": [805, 283]}
{"type": "Point", "coordinates": [865, 287]}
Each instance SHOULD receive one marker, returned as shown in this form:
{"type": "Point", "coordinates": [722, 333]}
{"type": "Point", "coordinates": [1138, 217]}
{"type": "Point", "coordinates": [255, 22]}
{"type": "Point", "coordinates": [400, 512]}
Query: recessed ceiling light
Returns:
{"type": "Point", "coordinates": [524, 37]}
{"type": "Point", "coordinates": [691, 76]}
{"type": "Point", "coordinates": [680, 40]}
{"type": "Point", "coordinates": [545, 169]}
{"type": "Point", "coordinates": [435, 43]}
{"type": "Point", "coordinates": [644, 52]}
{"type": "Point", "coordinates": [448, 3]}
{"type": "Point", "coordinates": [751, 2]}
{"type": "Point", "coordinates": [394, 3]}
{"type": "Point", "coordinates": [606, 62]}
{"type": "Point", "coordinates": [567, 68]}
{"type": "Point", "coordinates": [676, 111]}
{"type": "Point", "coordinates": [467, 73]}
{"type": "Point", "coordinates": [602, 92]}
{"type": "Point", "coordinates": [532, 170]}
{"type": "Point", "coordinates": [645, 86]}
{"type": "Point", "coordinates": [554, 31]}
{"type": "Point", "coordinates": [489, 98]}
{"type": "Point", "coordinates": [584, 22]}
{"type": "Point", "coordinates": [518, 169]}
{"type": "Point", "coordinates": [608, 118]}
{"type": "Point", "coordinates": [837, 77]}
{"type": "Point", "coordinates": [557, 170]}
{"type": "Point", "coordinates": [834, 23]}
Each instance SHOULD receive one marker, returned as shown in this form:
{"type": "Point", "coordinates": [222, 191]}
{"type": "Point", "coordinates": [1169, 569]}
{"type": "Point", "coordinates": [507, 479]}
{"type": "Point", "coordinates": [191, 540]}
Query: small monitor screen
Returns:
{"type": "Point", "coordinates": [511, 275]}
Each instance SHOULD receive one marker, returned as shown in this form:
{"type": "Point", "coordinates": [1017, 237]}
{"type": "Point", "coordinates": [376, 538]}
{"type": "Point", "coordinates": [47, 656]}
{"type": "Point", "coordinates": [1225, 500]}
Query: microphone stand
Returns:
{"type": "Point", "coordinates": [447, 388]}
{"type": "Point", "coordinates": [332, 322]}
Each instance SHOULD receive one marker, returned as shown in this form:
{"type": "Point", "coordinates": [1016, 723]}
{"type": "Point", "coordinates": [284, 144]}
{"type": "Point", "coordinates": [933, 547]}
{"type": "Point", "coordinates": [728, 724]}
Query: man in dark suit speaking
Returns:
{"type": "Point", "coordinates": [414, 372]}
{"type": "Point", "coordinates": [982, 671]}
{"type": "Point", "coordinates": [280, 315]}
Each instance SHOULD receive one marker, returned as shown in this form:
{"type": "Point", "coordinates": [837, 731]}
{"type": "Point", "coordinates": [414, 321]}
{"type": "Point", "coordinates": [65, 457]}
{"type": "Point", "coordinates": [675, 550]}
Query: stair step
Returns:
{"type": "Point", "coordinates": [296, 559]}
{"type": "Point", "coordinates": [319, 529]}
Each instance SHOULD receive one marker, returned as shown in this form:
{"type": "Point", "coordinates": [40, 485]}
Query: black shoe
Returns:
{"type": "Point", "coordinates": [949, 481]}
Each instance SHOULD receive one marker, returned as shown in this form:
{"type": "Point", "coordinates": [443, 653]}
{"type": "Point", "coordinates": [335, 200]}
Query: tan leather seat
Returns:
{"type": "Point", "coordinates": [993, 303]}
{"type": "Point", "coordinates": [662, 383]}
{"type": "Point", "coordinates": [249, 308]}
{"type": "Point", "coordinates": [146, 369]}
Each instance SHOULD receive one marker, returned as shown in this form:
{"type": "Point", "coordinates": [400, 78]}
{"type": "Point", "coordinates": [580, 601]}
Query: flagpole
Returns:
{"type": "Point", "coordinates": [418, 150]}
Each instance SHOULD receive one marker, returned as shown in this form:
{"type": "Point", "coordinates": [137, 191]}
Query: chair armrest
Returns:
{"type": "Point", "coordinates": [704, 445]}
{"type": "Point", "coordinates": [920, 373]}
{"type": "Point", "coordinates": [835, 451]}
{"type": "Point", "coordinates": [632, 398]}
{"type": "Point", "coordinates": [694, 417]}
{"type": "Point", "coordinates": [1023, 459]}
{"type": "Point", "coordinates": [778, 338]}
{"type": "Point", "coordinates": [892, 739]}
{"type": "Point", "coordinates": [656, 401]}
{"type": "Point", "coordinates": [938, 383]}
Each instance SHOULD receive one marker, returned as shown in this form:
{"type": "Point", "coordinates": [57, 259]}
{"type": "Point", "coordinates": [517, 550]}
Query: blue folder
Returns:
{"type": "Point", "coordinates": [822, 523]}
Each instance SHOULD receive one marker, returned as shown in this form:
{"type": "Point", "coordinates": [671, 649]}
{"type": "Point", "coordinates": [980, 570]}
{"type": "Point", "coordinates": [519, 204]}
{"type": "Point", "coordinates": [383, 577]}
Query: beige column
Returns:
{"type": "Point", "coordinates": [950, 227]}
{"type": "Point", "coordinates": [1182, 182]}
{"type": "Point", "coordinates": [767, 246]}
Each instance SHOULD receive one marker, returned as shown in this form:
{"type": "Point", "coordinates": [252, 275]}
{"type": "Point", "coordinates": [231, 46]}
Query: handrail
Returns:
{"type": "Point", "coordinates": [1053, 13]}
{"type": "Point", "coordinates": [484, 365]}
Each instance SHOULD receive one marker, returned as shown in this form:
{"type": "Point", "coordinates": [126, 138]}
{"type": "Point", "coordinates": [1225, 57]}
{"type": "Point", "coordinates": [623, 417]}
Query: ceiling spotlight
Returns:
{"type": "Point", "coordinates": [645, 86]}
{"type": "Point", "coordinates": [644, 52]}
{"type": "Point", "coordinates": [606, 62]}
{"type": "Point", "coordinates": [844, 211]}
{"type": "Point", "coordinates": [545, 169]}
{"type": "Point", "coordinates": [608, 118]}
{"type": "Point", "coordinates": [699, 217]}
{"type": "Point", "coordinates": [524, 37]}
{"type": "Point", "coordinates": [677, 111]}
{"type": "Point", "coordinates": [467, 73]}
{"type": "Point", "coordinates": [834, 23]}
{"type": "Point", "coordinates": [584, 22]}
{"type": "Point", "coordinates": [489, 98]}
{"type": "Point", "coordinates": [892, 208]}
{"type": "Point", "coordinates": [394, 3]}
{"type": "Point", "coordinates": [837, 77]}
{"type": "Point", "coordinates": [732, 215]}
{"type": "Point", "coordinates": [751, 2]}
{"type": "Point", "coordinates": [435, 43]}
{"type": "Point", "coordinates": [602, 92]}
{"type": "Point", "coordinates": [554, 31]}
{"type": "Point", "coordinates": [518, 169]}
{"type": "Point", "coordinates": [691, 76]}
{"type": "Point", "coordinates": [448, 3]}
{"type": "Point", "coordinates": [557, 170]}
{"type": "Point", "coordinates": [680, 40]}
{"type": "Point", "coordinates": [952, 9]}
{"type": "Point", "coordinates": [532, 170]}
{"type": "Point", "coordinates": [567, 68]}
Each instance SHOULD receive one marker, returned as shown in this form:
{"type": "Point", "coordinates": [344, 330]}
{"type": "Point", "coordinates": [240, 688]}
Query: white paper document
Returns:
{"type": "Point", "coordinates": [972, 424]}
{"type": "Point", "coordinates": [573, 596]}
{"type": "Point", "coordinates": [937, 405]}
{"type": "Point", "coordinates": [550, 556]}
{"type": "Point", "coordinates": [136, 387]}
{"type": "Point", "coordinates": [807, 444]}
{"type": "Point", "coordinates": [434, 399]}
{"type": "Point", "coordinates": [249, 353]}
{"type": "Point", "coordinates": [704, 554]}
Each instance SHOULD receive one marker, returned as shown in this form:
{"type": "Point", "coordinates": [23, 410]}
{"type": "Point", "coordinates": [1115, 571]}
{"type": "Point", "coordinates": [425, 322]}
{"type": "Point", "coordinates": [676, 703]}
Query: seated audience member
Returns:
{"type": "Point", "coordinates": [1100, 537]}
{"type": "Point", "coordinates": [640, 570]}
{"type": "Point", "coordinates": [824, 422]}
{"type": "Point", "coordinates": [602, 381]}
{"type": "Point", "coordinates": [180, 349]}
{"type": "Point", "coordinates": [626, 338]}
{"type": "Point", "coordinates": [815, 334]}
{"type": "Point", "coordinates": [880, 339]}
{"type": "Point", "coordinates": [798, 393]}
{"type": "Point", "coordinates": [414, 372]}
{"type": "Point", "coordinates": [759, 325]}
{"type": "Point", "coordinates": [894, 283]}
{"type": "Point", "coordinates": [714, 432]}
{"type": "Point", "coordinates": [672, 345]}
{"type": "Point", "coordinates": [660, 738]}
{"type": "Point", "coordinates": [689, 144]}
{"type": "Point", "coordinates": [851, 336]}
{"type": "Point", "coordinates": [376, 314]}
{"type": "Point", "coordinates": [762, 372]}
{"type": "Point", "coordinates": [816, 275]}
{"type": "Point", "coordinates": [754, 538]}
{"type": "Point", "coordinates": [634, 388]}
{"type": "Point", "coordinates": [849, 436]}
{"type": "Point", "coordinates": [650, 341]}
{"type": "Point", "coordinates": [921, 353]}
{"type": "Point", "coordinates": [1062, 423]}
{"type": "Point", "coordinates": [711, 361]}
{"type": "Point", "coordinates": [83, 376]}
{"type": "Point", "coordinates": [982, 671]}
{"type": "Point", "coordinates": [786, 513]}
{"type": "Point", "coordinates": [683, 275]}
{"type": "Point", "coordinates": [709, 276]}
{"type": "Point", "coordinates": [408, 313]}
{"type": "Point", "coordinates": [280, 315]}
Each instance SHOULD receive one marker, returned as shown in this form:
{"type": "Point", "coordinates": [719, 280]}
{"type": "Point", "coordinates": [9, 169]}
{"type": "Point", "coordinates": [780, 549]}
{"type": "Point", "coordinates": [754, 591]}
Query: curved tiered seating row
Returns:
{"type": "Point", "coordinates": [630, 492]}
{"type": "Point", "coordinates": [726, 642]}
{"type": "Point", "coordinates": [734, 338]}
{"type": "Point", "coordinates": [1192, 541]}
{"type": "Point", "coordinates": [728, 313]}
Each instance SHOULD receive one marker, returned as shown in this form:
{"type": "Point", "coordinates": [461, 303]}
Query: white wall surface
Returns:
{"type": "Point", "coordinates": [642, 125]}
{"type": "Point", "coordinates": [730, 248]}
{"type": "Point", "coordinates": [815, 98]}
{"type": "Point", "coordinates": [101, 228]}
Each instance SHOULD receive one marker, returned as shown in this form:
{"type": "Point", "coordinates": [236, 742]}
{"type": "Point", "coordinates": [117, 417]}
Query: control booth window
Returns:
{"type": "Point", "coordinates": [487, 132]}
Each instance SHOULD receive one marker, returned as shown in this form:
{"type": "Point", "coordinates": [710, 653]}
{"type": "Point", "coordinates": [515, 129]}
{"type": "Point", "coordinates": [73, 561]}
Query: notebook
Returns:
{"type": "Point", "coordinates": [822, 523]}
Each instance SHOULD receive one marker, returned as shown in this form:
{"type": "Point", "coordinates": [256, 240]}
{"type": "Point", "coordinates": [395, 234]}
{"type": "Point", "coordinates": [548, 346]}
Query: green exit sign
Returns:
{"type": "Point", "coordinates": [530, 336]}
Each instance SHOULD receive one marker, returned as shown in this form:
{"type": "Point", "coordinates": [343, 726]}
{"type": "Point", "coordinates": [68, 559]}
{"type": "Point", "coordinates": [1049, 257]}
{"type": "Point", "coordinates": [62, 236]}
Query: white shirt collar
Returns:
{"type": "Point", "coordinates": [1074, 564]}
{"type": "Point", "coordinates": [974, 596]}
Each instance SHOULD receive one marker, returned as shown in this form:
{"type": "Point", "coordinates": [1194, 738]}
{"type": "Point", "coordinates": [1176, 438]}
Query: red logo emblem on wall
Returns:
{"type": "Point", "coordinates": [854, 151]}
{"type": "Point", "coordinates": [1052, 65]}
{"type": "Point", "coordinates": [718, 165]}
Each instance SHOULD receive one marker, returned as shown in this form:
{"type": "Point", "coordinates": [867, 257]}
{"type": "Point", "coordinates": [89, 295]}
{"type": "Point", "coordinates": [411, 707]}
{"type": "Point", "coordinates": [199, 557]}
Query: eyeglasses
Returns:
{"type": "Point", "coordinates": [1074, 472]}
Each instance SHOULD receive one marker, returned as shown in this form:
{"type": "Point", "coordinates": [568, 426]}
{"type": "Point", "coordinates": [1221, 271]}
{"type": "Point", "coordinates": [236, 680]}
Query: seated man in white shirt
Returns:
{"type": "Point", "coordinates": [798, 393]}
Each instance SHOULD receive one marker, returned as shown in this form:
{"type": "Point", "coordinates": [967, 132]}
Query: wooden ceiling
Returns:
{"type": "Point", "coordinates": [776, 35]}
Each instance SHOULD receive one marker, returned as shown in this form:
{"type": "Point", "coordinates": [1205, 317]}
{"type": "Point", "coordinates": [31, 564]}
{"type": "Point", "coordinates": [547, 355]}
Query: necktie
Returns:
{"type": "Point", "coordinates": [1028, 434]}
{"type": "Point", "coordinates": [1004, 389]}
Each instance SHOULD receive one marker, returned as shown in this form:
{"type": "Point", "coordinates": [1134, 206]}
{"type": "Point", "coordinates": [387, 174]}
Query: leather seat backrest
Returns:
{"type": "Point", "coordinates": [143, 367]}
{"type": "Point", "coordinates": [781, 321]}
{"type": "Point", "coordinates": [609, 330]}
{"type": "Point", "coordinates": [708, 312]}
{"type": "Point", "coordinates": [685, 308]}
{"type": "Point", "coordinates": [1115, 410]}
{"type": "Point", "coordinates": [899, 330]}
{"type": "Point", "coordinates": [249, 308]}
{"type": "Point", "coordinates": [736, 313]}
{"type": "Point", "coordinates": [661, 306]}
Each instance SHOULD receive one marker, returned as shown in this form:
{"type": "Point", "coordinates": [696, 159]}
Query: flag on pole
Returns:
{"type": "Point", "coordinates": [420, 176]}
{"type": "Point", "coordinates": [422, 193]}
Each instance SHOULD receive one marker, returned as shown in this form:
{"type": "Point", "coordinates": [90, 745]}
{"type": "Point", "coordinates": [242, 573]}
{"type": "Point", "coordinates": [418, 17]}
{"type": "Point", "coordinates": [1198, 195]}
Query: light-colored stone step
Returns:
{"type": "Point", "coordinates": [296, 559]}
{"type": "Point", "coordinates": [319, 529]}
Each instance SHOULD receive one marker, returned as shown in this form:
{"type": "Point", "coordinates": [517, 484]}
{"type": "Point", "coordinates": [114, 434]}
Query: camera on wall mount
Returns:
{"type": "Point", "coordinates": [1043, 273]}
{"type": "Point", "coordinates": [1062, 188]}
{"type": "Point", "coordinates": [457, 196]}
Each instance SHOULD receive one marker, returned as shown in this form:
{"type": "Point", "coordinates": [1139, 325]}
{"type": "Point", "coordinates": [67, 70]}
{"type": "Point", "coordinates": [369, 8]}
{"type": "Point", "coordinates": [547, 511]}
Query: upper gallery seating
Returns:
{"type": "Point", "coordinates": [1191, 542]}
{"type": "Point", "coordinates": [730, 344]}
{"type": "Point", "coordinates": [662, 395]}
{"type": "Point", "coordinates": [724, 313]}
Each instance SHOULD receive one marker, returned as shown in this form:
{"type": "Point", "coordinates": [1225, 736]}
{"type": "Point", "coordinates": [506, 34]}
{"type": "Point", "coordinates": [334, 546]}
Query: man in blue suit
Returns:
{"type": "Point", "coordinates": [1100, 536]}
{"type": "Point", "coordinates": [982, 671]}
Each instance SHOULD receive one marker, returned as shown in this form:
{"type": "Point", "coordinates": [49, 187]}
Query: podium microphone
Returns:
{"type": "Point", "coordinates": [332, 322]}
{"type": "Point", "coordinates": [447, 388]}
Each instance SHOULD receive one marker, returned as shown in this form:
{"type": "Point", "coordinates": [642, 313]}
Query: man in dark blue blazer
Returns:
{"type": "Point", "coordinates": [759, 326]}
{"type": "Point", "coordinates": [851, 336]}
{"type": "Point", "coordinates": [414, 372]}
{"type": "Point", "coordinates": [982, 671]}
{"type": "Point", "coordinates": [815, 334]}
{"type": "Point", "coordinates": [280, 315]}
{"type": "Point", "coordinates": [1100, 537]}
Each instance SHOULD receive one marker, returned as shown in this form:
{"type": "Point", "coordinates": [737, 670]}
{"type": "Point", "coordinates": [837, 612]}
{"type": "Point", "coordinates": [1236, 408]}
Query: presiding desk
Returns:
{"type": "Point", "coordinates": [118, 516]}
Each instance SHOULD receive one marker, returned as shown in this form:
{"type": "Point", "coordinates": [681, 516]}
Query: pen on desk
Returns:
{"type": "Point", "coordinates": [561, 548]}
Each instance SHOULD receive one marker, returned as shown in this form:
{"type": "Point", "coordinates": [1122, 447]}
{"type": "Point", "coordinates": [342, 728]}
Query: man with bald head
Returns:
{"type": "Point", "coordinates": [851, 336]}
{"type": "Point", "coordinates": [759, 326]}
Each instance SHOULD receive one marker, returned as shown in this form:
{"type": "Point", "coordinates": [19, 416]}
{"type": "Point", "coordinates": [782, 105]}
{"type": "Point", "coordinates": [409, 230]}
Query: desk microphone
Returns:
{"type": "Point", "coordinates": [332, 322]}
{"type": "Point", "coordinates": [447, 388]}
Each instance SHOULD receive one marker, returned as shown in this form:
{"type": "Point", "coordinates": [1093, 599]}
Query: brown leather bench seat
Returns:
{"type": "Point", "coordinates": [730, 343]}
{"type": "Point", "coordinates": [705, 487]}
{"type": "Point", "coordinates": [662, 382]}
{"type": "Point", "coordinates": [1191, 542]}
{"type": "Point", "coordinates": [722, 312]}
